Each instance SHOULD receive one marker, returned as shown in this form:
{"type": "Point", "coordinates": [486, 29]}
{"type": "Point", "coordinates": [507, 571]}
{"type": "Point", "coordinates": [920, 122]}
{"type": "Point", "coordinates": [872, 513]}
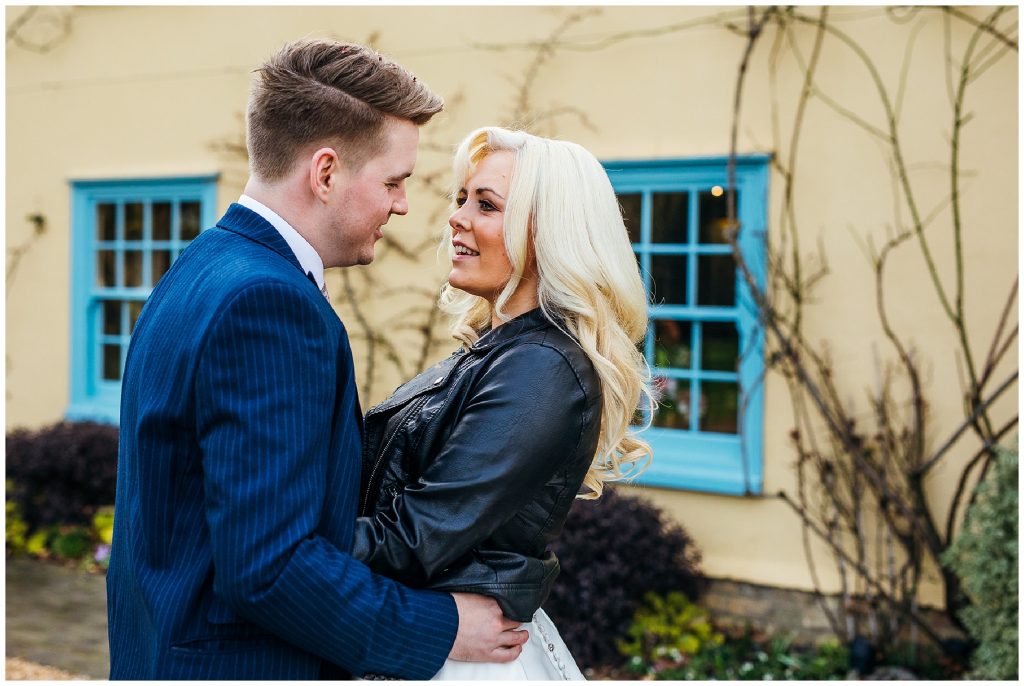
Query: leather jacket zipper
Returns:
{"type": "Point", "coordinates": [380, 456]}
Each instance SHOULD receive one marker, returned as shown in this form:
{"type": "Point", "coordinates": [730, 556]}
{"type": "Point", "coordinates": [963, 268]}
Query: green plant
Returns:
{"type": "Point", "coordinates": [103, 524]}
{"type": "Point", "coordinates": [60, 474]}
{"type": "Point", "coordinates": [16, 530]}
{"type": "Point", "coordinates": [749, 656]}
{"type": "Point", "coordinates": [668, 628]}
{"type": "Point", "coordinates": [923, 659]}
{"type": "Point", "coordinates": [985, 557]}
{"type": "Point", "coordinates": [71, 543]}
{"type": "Point", "coordinates": [829, 660]}
{"type": "Point", "coordinates": [38, 543]}
{"type": "Point", "coordinates": [612, 551]}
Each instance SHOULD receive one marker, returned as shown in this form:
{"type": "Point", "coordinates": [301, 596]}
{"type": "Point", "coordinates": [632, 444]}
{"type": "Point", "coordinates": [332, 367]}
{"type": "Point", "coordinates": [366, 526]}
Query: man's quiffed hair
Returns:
{"type": "Point", "coordinates": [315, 91]}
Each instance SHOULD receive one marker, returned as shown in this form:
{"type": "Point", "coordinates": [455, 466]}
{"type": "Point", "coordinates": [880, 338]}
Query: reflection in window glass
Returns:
{"type": "Point", "coordinates": [112, 362]}
{"type": "Point", "coordinates": [716, 280]}
{"type": "Point", "coordinates": [106, 221]}
{"type": "Point", "coordinates": [134, 309]}
{"type": "Point", "coordinates": [720, 406]}
{"type": "Point", "coordinates": [668, 279]}
{"type": "Point", "coordinates": [133, 221]}
{"type": "Point", "coordinates": [669, 215]}
{"type": "Point", "coordinates": [112, 317]}
{"type": "Point", "coordinates": [631, 214]}
{"type": "Point", "coordinates": [133, 268]}
{"type": "Point", "coordinates": [673, 398]}
{"type": "Point", "coordinates": [720, 347]}
{"type": "Point", "coordinates": [106, 268]}
{"type": "Point", "coordinates": [189, 220]}
{"type": "Point", "coordinates": [161, 221]}
{"type": "Point", "coordinates": [672, 343]}
{"type": "Point", "coordinates": [161, 263]}
{"type": "Point", "coordinates": [714, 213]}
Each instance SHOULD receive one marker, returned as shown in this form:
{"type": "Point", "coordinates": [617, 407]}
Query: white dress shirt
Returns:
{"type": "Point", "coordinates": [306, 254]}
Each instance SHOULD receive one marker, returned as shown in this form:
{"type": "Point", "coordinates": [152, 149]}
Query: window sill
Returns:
{"type": "Point", "coordinates": [93, 411]}
{"type": "Point", "coordinates": [705, 462]}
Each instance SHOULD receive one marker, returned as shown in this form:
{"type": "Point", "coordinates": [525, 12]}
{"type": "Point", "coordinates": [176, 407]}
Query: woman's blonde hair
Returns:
{"type": "Point", "coordinates": [560, 198]}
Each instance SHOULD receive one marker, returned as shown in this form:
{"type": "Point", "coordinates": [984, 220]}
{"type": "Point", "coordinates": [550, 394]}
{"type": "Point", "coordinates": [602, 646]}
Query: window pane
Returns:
{"type": "Point", "coordinates": [714, 214]}
{"type": "Point", "coordinates": [631, 214]}
{"type": "Point", "coordinates": [161, 221]}
{"type": "Point", "coordinates": [668, 279]}
{"type": "Point", "coordinates": [112, 317]}
{"type": "Point", "coordinates": [111, 362]}
{"type": "Point", "coordinates": [189, 220]}
{"type": "Point", "coordinates": [106, 221]}
{"type": "Point", "coordinates": [133, 221]}
{"type": "Point", "coordinates": [132, 268]}
{"type": "Point", "coordinates": [672, 343]}
{"type": "Point", "coordinates": [668, 217]}
{"type": "Point", "coordinates": [106, 268]}
{"type": "Point", "coordinates": [716, 280]}
{"type": "Point", "coordinates": [673, 397]}
{"type": "Point", "coordinates": [134, 308]}
{"type": "Point", "coordinates": [161, 262]}
{"type": "Point", "coordinates": [719, 406]}
{"type": "Point", "coordinates": [720, 346]}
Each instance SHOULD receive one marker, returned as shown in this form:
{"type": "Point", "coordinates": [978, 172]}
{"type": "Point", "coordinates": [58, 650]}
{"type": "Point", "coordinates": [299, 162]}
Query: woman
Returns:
{"type": "Point", "coordinates": [470, 468]}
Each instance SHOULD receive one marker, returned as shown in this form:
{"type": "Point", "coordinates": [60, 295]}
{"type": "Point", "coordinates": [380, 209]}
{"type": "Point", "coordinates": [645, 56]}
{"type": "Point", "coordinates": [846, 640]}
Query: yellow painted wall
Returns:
{"type": "Point", "coordinates": [151, 91]}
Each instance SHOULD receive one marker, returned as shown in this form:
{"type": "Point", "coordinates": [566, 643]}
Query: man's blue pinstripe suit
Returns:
{"type": "Point", "coordinates": [237, 484]}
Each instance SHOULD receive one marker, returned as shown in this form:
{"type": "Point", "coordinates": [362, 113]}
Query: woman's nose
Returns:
{"type": "Point", "coordinates": [456, 221]}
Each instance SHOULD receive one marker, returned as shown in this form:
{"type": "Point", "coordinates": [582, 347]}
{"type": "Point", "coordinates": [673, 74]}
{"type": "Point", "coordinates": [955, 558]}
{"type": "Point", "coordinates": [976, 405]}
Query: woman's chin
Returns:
{"type": "Point", "coordinates": [463, 285]}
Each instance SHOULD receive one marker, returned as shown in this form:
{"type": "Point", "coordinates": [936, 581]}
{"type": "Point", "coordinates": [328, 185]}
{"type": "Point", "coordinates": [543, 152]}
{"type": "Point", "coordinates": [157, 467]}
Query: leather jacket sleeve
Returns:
{"type": "Point", "coordinates": [524, 418]}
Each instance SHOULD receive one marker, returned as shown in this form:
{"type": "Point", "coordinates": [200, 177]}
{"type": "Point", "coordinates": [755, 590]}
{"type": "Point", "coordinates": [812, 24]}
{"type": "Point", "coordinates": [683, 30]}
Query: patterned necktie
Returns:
{"type": "Point", "coordinates": [323, 289]}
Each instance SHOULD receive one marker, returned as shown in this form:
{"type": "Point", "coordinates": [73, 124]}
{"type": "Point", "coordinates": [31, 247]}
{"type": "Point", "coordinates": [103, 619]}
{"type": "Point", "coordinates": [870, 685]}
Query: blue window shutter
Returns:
{"type": "Point", "coordinates": [691, 458]}
{"type": "Point", "coordinates": [96, 307]}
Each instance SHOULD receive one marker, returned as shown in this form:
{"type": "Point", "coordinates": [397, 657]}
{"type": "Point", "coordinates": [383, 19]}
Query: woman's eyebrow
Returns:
{"type": "Point", "coordinates": [483, 189]}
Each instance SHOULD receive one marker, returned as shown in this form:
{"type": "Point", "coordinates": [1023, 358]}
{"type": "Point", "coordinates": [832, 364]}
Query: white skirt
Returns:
{"type": "Point", "coordinates": [544, 658]}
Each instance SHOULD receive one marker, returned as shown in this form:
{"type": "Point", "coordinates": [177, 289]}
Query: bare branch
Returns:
{"type": "Point", "coordinates": [983, 26]}
{"type": "Point", "coordinates": [985, 453]}
{"type": "Point", "coordinates": [966, 424]}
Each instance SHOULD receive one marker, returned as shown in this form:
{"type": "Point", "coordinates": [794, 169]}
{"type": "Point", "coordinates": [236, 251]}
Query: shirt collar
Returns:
{"type": "Point", "coordinates": [304, 252]}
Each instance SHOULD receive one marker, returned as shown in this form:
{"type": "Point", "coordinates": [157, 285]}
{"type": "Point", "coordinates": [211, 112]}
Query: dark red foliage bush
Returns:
{"type": "Point", "coordinates": [62, 473]}
{"type": "Point", "coordinates": [613, 551]}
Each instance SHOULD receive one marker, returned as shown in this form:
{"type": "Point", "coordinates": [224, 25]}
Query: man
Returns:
{"type": "Point", "coordinates": [240, 426]}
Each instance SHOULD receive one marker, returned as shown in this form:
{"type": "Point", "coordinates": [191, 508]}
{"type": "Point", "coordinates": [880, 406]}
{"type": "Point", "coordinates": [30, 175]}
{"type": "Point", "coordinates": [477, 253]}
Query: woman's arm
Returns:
{"type": "Point", "coordinates": [525, 417]}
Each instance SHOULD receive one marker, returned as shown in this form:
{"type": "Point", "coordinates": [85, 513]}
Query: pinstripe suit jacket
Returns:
{"type": "Point", "coordinates": [237, 482]}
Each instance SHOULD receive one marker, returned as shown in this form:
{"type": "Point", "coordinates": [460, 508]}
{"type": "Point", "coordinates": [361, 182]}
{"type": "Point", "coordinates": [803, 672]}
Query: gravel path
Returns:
{"type": "Point", "coordinates": [56, 617]}
{"type": "Point", "coordinates": [23, 670]}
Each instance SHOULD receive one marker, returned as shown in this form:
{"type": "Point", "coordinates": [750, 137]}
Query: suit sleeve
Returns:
{"type": "Point", "coordinates": [500, 452]}
{"type": "Point", "coordinates": [266, 394]}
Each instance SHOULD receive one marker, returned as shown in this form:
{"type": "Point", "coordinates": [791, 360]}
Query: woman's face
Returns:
{"type": "Point", "coordinates": [480, 264]}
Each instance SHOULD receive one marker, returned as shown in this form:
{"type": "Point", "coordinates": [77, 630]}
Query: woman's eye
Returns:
{"type": "Point", "coordinates": [460, 201]}
{"type": "Point", "coordinates": [486, 206]}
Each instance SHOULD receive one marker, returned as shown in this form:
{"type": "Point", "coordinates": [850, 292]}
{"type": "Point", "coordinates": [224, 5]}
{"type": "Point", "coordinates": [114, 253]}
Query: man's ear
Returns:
{"type": "Point", "coordinates": [323, 172]}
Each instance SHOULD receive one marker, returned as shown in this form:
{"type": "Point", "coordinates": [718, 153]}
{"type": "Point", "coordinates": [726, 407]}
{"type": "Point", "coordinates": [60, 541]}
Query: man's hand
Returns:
{"type": "Point", "coordinates": [485, 635]}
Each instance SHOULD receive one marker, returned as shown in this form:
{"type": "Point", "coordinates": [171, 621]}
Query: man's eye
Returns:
{"type": "Point", "coordinates": [392, 186]}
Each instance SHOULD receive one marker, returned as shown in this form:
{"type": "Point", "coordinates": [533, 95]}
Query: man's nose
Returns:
{"type": "Point", "coordinates": [401, 206]}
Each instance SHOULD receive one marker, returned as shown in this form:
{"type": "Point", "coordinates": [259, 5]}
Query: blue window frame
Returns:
{"type": "Point", "coordinates": [125, 234]}
{"type": "Point", "coordinates": [703, 342]}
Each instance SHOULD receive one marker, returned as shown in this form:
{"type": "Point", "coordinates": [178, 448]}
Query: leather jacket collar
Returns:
{"type": "Point", "coordinates": [528, 321]}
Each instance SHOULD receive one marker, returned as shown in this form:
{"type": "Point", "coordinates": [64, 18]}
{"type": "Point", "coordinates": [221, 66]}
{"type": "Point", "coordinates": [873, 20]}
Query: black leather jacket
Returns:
{"type": "Point", "coordinates": [469, 469]}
